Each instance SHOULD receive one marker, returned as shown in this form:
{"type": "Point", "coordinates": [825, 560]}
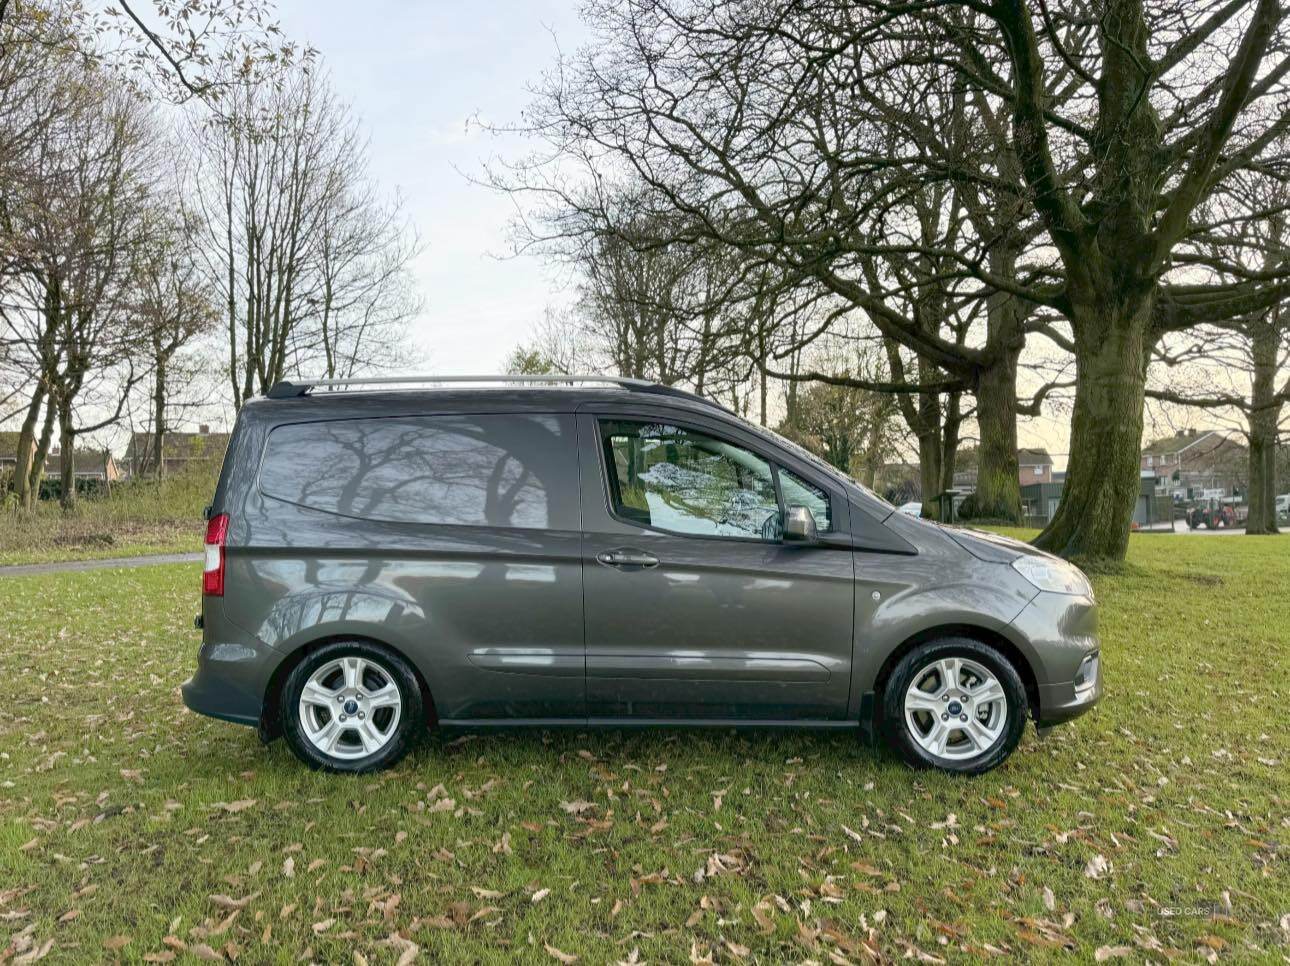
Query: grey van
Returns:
{"type": "Point", "coordinates": [591, 551]}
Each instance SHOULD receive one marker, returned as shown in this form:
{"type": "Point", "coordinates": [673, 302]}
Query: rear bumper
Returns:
{"type": "Point", "coordinates": [230, 682]}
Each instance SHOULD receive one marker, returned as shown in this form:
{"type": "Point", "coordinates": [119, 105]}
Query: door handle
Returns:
{"type": "Point", "coordinates": [627, 558]}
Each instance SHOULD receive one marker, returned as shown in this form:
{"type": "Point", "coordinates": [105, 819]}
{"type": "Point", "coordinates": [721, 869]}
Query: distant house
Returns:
{"type": "Point", "coordinates": [1034, 466]}
{"type": "Point", "coordinates": [179, 451]}
{"type": "Point", "coordinates": [1196, 464]}
{"type": "Point", "coordinates": [87, 464]}
{"type": "Point", "coordinates": [8, 453]}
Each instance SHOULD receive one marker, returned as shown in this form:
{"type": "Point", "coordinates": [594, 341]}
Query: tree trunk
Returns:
{"type": "Point", "coordinates": [26, 450]}
{"type": "Point", "coordinates": [1263, 431]}
{"type": "Point", "coordinates": [763, 390]}
{"type": "Point", "coordinates": [929, 471]}
{"type": "Point", "coordinates": [1103, 480]}
{"type": "Point", "coordinates": [998, 480]}
{"type": "Point", "coordinates": [67, 458]}
{"type": "Point", "coordinates": [159, 415]}
{"type": "Point", "coordinates": [950, 445]}
{"type": "Point", "coordinates": [42, 450]}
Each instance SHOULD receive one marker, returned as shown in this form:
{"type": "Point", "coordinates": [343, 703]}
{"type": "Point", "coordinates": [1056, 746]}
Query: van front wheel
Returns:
{"type": "Point", "coordinates": [351, 706]}
{"type": "Point", "coordinates": [954, 704]}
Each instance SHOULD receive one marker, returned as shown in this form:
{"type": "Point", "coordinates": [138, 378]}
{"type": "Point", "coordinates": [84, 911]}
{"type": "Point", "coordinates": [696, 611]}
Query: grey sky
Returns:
{"type": "Point", "coordinates": [415, 72]}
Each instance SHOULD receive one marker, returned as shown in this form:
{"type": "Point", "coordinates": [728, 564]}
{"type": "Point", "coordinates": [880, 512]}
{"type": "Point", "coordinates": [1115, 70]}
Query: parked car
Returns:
{"type": "Point", "coordinates": [606, 553]}
{"type": "Point", "coordinates": [914, 509]}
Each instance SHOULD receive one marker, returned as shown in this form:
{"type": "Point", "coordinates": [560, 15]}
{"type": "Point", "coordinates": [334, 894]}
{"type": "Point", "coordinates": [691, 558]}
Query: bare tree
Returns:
{"type": "Point", "coordinates": [73, 213]}
{"type": "Point", "coordinates": [178, 50]}
{"type": "Point", "coordinates": [310, 266]}
{"type": "Point", "coordinates": [1240, 365]}
{"type": "Point", "coordinates": [172, 303]}
{"type": "Point", "coordinates": [758, 124]}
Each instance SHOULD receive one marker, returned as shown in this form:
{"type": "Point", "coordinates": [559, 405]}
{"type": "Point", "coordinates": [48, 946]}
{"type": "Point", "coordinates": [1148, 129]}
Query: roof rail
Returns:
{"type": "Point", "coordinates": [292, 390]}
{"type": "Point", "coordinates": [287, 390]}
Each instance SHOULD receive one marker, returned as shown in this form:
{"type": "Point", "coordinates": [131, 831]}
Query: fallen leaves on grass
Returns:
{"type": "Point", "coordinates": [559, 954]}
{"type": "Point", "coordinates": [1097, 867]}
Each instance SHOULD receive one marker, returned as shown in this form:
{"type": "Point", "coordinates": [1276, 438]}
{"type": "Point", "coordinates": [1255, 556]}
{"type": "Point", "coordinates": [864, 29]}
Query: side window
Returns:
{"type": "Point", "coordinates": [798, 492]}
{"type": "Point", "coordinates": [687, 482]}
{"type": "Point", "coordinates": [498, 471]}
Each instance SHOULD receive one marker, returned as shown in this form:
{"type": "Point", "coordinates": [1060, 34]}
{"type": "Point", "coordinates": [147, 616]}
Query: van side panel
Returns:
{"type": "Point", "coordinates": [490, 615]}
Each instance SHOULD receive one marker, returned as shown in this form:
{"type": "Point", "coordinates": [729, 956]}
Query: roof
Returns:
{"type": "Point", "coordinates": [1034, 457]}
{"type": "Point", "coordinates": [1179, 442]}
{"type": "Point", "coordinates": [179, 446]}
{"type": "Point", "coordinates": [84, 460]}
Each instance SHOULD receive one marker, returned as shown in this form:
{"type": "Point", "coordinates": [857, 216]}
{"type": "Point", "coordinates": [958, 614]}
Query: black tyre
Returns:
{"type": "Point", "coordinates": [954, 704]}
{"type": "Point", "coordinates": [351, 706]}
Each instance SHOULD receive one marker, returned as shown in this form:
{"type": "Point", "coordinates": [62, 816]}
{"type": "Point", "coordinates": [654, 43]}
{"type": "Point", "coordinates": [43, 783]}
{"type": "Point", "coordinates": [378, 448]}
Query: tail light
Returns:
{"type": "Point", "coordinates": [213, 572]}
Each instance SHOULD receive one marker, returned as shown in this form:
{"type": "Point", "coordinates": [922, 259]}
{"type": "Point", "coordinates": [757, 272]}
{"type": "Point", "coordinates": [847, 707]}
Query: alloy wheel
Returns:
{"type": "Point", "coordinates": [350, 708]}
{"type": "Point", "coordinates": [955, 708]}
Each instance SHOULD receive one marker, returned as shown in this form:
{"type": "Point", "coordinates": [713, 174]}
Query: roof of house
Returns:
{"type": "Point", "coordinates": [1180, 441]}
{"type": "Point", "coordinates": [180, 446]}
{"type": "Point", "coordinates": [1034, 457]}
{"type": "Point", "coordinates": [83, 461]}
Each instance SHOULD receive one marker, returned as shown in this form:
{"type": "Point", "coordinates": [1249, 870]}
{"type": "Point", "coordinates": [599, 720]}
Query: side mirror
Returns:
{"type": "Point", "coordinates": [799, 525]}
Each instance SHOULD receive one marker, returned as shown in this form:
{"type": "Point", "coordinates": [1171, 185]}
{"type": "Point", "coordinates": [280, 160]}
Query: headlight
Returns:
{"type": "Point", "coordinates": [1052, 575]}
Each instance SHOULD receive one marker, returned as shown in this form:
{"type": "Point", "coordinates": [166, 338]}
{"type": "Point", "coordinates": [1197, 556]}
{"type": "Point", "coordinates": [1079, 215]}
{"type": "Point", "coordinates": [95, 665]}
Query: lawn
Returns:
{"type": "Point", "coordinates": [1154, 827]}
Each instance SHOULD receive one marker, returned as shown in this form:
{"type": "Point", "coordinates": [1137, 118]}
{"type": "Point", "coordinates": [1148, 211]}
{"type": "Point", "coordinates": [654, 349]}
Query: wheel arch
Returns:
{"type": "Point", "coordinates": [983, 635]}
{"type": "Point", "coordinates": [270, 717]}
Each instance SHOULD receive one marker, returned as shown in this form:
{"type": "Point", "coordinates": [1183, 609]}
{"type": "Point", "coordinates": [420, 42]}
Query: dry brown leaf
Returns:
{"type": "Point", "coordinates": [116, 942]}
{"type": "Point", "coordinates": [240, 805]}
{"type": "Point", "coordinates": [558, 954]}
{"type": "Point", "coordinates": [1097, 867]}
{"type": "Point", "coordinates": [228, 902]}
{"type": "Point", "coordinates": [1103, 953]}
{"type": "Point", "coordinates": [36, 953]}
{"type": "Point", "coordinates": [540, 895]}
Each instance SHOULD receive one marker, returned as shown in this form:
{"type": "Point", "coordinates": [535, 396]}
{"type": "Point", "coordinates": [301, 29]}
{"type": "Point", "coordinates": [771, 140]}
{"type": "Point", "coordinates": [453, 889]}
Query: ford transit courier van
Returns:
{"type": "Point", "coordinates": [604, 552]}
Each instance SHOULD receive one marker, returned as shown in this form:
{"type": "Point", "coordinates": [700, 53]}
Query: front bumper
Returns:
{"type": "Point", "coordinates": [230, 682]}
{"type": "Point", "coordinates": [1062, 702]}
{"type": "Point", "coordinates": [1061, 630]}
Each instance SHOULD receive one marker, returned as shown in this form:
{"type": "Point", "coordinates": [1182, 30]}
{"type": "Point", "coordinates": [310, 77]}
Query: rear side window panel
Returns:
{"type": "Point", "coordinates": [493, 470]}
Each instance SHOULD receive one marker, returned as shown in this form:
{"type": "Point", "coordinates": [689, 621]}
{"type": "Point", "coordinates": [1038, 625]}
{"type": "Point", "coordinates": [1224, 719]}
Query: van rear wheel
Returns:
{"type": "Point", "coordinates": [954, 704]}
{"type": "Point", "coordinates": [351, 706]}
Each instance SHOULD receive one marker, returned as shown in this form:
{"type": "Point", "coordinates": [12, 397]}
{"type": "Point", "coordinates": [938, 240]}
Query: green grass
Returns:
{"type": "Point", "coordinates": [124, 819]}
{"type": "Point", "coordinates": [137, 518]}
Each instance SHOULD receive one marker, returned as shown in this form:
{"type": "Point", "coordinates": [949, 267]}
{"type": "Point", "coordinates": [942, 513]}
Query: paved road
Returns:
{"type": "Point", "coordinates": [24, 570]}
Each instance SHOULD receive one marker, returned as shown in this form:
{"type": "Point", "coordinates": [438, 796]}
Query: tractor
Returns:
{"type": "Point", "coordinates": [1213, 516]}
